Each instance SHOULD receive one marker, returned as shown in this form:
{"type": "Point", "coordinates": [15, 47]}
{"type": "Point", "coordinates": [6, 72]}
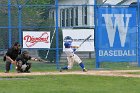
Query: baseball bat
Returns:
{"type": "Point", "coordinates": [85, 40]}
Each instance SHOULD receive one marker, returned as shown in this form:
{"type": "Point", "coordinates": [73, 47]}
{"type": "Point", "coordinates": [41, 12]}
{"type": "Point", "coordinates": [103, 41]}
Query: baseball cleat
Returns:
{"type": "Point", "coordinates": [84, 70]}
{"type": "Point", "coordinates": [6, 72]}
{"type": "Point", "coordinates": [60, 70]}
{"type": "Point", "coordinates": [27, 72]}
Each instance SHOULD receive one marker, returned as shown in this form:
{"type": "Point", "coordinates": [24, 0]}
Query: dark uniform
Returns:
{"type": "Point", "coordinates": [22, 62]}
{"type": "Point", "coordinates": [13, 53]}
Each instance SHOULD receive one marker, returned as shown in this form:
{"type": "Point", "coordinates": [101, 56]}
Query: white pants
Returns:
{"type": "Point", "coordinates": [73, 59]}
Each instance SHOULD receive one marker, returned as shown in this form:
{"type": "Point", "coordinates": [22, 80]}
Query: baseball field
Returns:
{"type": "Point", "coordinates": [45, 78]}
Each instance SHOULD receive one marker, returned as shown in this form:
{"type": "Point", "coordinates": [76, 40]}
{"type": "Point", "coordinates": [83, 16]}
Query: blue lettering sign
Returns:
{"type": "Point", "coordinates": [116, 38]}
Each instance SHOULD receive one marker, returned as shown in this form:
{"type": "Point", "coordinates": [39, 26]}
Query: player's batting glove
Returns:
{"type": "Point", "coordinates": [74, 49]}
{"type": "Point", "coordinates": [75, 46]}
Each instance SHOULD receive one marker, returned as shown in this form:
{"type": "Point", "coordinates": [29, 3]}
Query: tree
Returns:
{"type": "Point", "coordinates": [31, 16]}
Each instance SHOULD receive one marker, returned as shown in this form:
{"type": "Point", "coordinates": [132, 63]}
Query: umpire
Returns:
{"type": "Point", "coordinates": [11, 55]}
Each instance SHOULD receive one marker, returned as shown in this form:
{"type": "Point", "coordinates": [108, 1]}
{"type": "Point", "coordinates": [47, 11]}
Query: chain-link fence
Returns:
{"type": "Point", "coordinates": [57, 17]}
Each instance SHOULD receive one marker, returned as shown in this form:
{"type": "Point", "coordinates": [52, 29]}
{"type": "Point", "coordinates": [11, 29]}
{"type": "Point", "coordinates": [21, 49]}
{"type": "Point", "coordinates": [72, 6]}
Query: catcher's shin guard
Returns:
{"type": "Point", "coordinates": [28, 67]}
{"type": "Point", "coordinates": [19, 67]}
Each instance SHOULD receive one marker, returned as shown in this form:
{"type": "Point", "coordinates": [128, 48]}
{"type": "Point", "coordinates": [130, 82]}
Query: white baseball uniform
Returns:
{"type": "Point", "coordinates": [71, 57]}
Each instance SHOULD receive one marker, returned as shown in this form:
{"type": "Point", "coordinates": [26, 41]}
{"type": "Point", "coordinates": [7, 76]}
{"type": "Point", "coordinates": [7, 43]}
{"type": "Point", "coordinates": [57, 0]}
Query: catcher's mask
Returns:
{"type": "Point", "coordinates": [25, 53]}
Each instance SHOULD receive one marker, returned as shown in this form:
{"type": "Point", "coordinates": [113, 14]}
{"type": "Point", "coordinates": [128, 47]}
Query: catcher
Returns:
{"type": "Point", "coordinates": [22, 64]}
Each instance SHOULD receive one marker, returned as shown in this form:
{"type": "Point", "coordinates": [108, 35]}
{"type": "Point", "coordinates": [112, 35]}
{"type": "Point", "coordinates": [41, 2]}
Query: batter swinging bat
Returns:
{"type": "Point", "coordinates": [85, 40]}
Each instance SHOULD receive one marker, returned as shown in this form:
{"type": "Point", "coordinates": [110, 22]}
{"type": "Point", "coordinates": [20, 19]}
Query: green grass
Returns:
{"type": "Point", "coordinates": [69, 84]}
{"type": "Point", "coordinates": [119, 66]}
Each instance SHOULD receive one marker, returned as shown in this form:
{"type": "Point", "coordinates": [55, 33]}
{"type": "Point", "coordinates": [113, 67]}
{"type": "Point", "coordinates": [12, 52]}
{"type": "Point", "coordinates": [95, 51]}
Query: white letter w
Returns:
{"type": "Point", "coordinates": [118, 22]}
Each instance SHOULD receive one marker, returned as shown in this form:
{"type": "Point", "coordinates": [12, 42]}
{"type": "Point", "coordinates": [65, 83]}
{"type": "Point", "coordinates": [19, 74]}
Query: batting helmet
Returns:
{"type": "Point", "coordinates": [67, 44]}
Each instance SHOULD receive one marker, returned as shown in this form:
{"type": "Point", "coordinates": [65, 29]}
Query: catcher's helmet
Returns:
{"type": "Point", "coordinates": [25, 52]}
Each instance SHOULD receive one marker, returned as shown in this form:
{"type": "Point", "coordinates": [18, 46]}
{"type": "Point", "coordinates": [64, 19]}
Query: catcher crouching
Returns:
{"type": "Point", "coordinates": [22, 64]}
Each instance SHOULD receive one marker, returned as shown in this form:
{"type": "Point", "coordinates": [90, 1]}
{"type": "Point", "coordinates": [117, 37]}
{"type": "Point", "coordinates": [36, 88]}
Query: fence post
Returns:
{"type": "Point", "coordinates": [57, 35]}
{"type": "Point", "coordinates": [95, 35]}
{"type": "Point", "coordinates": [138, 10]}
{"type": "Point", "coordinates": [9, 24]}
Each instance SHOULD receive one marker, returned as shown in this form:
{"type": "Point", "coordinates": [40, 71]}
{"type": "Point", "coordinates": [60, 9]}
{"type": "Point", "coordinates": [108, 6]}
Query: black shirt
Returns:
{"type": "Point", "coordinates": [13, 53]}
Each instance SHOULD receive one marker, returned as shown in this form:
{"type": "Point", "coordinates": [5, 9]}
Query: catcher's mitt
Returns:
{"type": "Point", "coordinates": [40, 60]}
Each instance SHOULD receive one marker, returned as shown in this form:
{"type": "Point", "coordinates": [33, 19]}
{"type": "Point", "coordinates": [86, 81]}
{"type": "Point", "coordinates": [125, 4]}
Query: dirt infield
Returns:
{"type": "Point", "coordinates": [122, 73]}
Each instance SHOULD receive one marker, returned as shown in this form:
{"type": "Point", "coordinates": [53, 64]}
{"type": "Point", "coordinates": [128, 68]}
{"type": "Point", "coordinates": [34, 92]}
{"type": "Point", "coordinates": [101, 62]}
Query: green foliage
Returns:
{"type": "Point", "coordinates": [40, 1]}
{"type": "Point", "coordinates": [52, 53]}
{"type": "Point", "coordinates": [30, 1]}
{"type": "Point", "coordinates": [30, 16]}
{"type": "Point", "coordinates": [51, 56]}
